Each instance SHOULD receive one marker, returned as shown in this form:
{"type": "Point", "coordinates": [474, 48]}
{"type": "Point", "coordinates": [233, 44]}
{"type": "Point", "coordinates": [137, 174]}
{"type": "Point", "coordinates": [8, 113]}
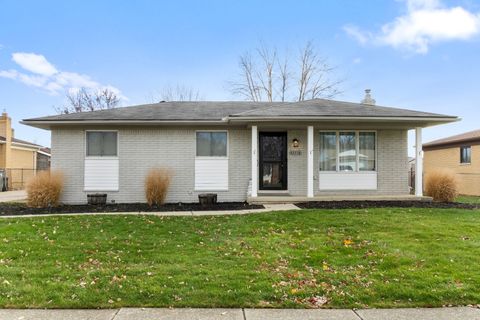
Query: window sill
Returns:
{"type": "Point", "coordinates": [210, 158]}
{"type": "Point", "coordinates": [101, 158]}
{"type": "Point", "coordinates": [348, 172]}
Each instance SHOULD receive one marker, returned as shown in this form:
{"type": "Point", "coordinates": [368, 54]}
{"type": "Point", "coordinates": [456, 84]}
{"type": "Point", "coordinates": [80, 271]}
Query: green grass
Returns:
{"type": "Point", "coordinates": [468, 199]}
{"type": "Point", "coordinates": [353, 258]}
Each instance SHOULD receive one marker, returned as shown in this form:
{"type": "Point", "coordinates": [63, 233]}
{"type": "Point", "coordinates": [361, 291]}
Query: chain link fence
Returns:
{"type": "Point", "coordinates": [18, 178]}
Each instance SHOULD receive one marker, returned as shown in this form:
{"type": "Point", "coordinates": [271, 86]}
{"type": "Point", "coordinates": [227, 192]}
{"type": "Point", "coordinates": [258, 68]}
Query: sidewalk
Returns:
{"type": "Point", "coordinates": [458, 313]}
{"type": "Point", "coordinates": [16, 195]}
{"type": "Point", "coordinates": [268, 208]}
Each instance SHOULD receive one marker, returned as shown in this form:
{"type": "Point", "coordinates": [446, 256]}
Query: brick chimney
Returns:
{"type": "Point", "coordinates": [368, 98]}
{"type": "Point", "coordinates": [6, 132]}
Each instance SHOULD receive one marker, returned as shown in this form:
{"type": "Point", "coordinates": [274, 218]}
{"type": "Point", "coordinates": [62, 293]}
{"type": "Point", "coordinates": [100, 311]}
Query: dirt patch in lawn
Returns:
{"type": "Point", "coordinates": [22, 209]}
{"type": "Point", "coordinates": [384, 204]}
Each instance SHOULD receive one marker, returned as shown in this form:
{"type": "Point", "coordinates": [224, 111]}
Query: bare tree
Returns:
{"type": "Point", "coordinates": [266, 76]}
{"type": "Point", "coordinates": [176, 93]}
{"type": "Point", "coordinates": [89, 100]}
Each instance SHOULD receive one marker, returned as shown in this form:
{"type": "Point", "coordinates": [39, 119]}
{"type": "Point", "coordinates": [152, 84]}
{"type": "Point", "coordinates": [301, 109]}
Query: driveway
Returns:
{"type": "Point", "coordinates": [17, 195]}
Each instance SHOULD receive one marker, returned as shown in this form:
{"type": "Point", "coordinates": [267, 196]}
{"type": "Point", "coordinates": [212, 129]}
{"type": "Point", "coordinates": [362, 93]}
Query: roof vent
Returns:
{"type": "Point", "coordinates": [368, 98]}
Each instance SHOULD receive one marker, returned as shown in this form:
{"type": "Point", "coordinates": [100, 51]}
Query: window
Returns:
{"type": "Point", "coordinates": [366, 151]}
{"type": "Point", "coordinates": [465, 154]}
{"type": "Point", "coordinates": [347, 156]}
{"type": "Point", "coordinates": [211, 144]}
{"type": "Point", "coordinates": [101, 143]}
{"type": "Point", "coordinates": [348, 151]}
{"type": "Point", "coordinates": [328, 156]}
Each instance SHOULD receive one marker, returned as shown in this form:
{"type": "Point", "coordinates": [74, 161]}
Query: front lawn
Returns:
{"type": "Point", "coordinates": [309, 258]}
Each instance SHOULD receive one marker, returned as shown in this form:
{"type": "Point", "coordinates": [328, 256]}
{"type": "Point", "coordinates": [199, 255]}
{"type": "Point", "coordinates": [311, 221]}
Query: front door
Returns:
{"type": "Point", "coordinates": [273, 161]}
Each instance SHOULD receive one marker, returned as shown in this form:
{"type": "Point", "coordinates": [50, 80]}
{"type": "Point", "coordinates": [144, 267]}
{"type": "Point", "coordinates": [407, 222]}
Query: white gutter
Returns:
{"type": "Point", "coordinates": [330, 118]}
{"type": "Point", "coordinates": [44, 153]}
{"type": "Point", "coordinates": [57, 122]}
{"type": "Point", "coordinates": [45, 124]}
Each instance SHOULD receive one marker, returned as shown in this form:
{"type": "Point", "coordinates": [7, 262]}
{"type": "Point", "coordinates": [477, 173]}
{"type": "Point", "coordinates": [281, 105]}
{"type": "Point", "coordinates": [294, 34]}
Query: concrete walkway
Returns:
{"type": "Point", "coordinates": [17, 195]}
{"type": "Point", "coordinates": [268, 208]}
{"type": "Point", "coordinates": [459, 313]}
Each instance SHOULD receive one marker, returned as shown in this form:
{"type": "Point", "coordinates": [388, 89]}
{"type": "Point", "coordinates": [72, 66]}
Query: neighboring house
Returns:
{"type": "Point", "coordinates": [459, 154]}
{"type": "Point", "coordinates": [18, 158]}
{"type": "Point", "coordinates": [255, 151]}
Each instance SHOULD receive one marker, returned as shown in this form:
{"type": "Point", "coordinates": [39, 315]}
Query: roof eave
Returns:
{"type": "Point", "coordinates": [48, 124]}
{"type": "Point", "coordinates": [423, 121]}
{"type": "Point", "coordinates": [418, 121]}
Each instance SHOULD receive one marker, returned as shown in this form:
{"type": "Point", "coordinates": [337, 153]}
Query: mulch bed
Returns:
{"type": "Point", "coordinates": [22, 209]}
{"type": "Point", "coordinates": [384, 204]}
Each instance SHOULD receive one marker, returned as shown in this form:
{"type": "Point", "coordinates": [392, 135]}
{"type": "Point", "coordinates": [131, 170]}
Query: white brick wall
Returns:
{"type": "Point", "coordinates": [143, 148]}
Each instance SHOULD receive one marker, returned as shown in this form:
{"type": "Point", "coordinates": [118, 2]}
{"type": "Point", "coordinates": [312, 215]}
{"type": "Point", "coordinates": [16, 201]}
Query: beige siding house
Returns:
{"type": "Point", "coordinates": [18, 158]}
{"type": "Point", "coordinates": [459, 154]}
{"type": "Point", "coordinates": [242, 151]}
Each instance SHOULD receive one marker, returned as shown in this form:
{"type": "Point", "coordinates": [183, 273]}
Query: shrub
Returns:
{"type": "Point", "coordinates": [44, 189]}
{"type": "Point", "coordinates": [441, 185]}
{"type": "Point", "coordinates": [156, 186]}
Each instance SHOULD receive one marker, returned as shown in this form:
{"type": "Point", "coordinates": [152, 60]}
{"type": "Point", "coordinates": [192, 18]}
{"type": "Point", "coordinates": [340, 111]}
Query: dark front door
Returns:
{"type": "Point", "coordinates": [273, 161]}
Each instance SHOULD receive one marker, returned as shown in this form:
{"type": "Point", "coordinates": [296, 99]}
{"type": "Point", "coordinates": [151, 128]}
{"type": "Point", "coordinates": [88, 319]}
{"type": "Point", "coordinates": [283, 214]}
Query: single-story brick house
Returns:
{"type": "Point", "coordinates": [255, 151]}
{"type": "Point", "coordinates": [459, 154]}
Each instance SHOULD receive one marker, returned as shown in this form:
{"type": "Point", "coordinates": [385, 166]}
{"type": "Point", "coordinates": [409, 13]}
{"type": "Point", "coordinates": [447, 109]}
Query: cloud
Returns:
{"type": "Point", "coordinates": [45, 76]}
{"type": "Point", "coordinates": [35, 63]}
{"type": "Point", "coordinates": [426, 22]}
{"type": "Point", "coordinates": [357, 34]}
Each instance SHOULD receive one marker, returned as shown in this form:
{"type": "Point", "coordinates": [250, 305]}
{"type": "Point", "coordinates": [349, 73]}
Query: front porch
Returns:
{"type": "Point", "coordinates": [285, 198]}
{"type": "Point", "coordinates": [332, 162]}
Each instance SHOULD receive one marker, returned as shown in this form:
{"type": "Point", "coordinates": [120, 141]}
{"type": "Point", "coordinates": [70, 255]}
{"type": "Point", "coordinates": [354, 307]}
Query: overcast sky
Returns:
{"type": "Point", "coordinates": [417, 54]}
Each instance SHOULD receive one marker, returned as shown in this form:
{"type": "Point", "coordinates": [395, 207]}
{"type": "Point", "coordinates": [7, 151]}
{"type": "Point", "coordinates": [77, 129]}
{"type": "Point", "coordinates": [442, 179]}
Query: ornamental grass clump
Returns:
{"type": "Point", "coordinates": [156, 186]}
{"type": "Point", "coordinates": [44, 189]}
{"type": "Point", "coordinates": [441, 185]}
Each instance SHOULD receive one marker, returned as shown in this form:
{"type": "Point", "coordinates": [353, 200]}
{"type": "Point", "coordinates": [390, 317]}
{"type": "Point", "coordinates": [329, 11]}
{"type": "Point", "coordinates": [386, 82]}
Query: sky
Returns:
{"type": "Point", "coordinates": [415, 54]}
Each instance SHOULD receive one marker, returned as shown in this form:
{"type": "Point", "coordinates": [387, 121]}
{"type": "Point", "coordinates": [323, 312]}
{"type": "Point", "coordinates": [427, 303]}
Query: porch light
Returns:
{"type": "Point", "coordinates": [295, 143]}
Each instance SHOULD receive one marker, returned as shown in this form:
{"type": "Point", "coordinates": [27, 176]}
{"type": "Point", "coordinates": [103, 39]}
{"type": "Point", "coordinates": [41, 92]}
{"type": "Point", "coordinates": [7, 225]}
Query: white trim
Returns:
{"type": "Point", "coordinates": [101, 157]}
{"type": "Point", "coordinates": [310, 139]}
{"type": "Point", "coordinates": [331, 118]}
{"type": "Point", "coordinates": [418, 163]}
{"type": "Point", "coordinates": [254, 161]}
{"type": "Point", "coordinates": [98, 172]}
{"type": "Point", "coordinates": [211, 174]}
{"type": "Point", "coordinates": [44, 153]}
{"type": "Point", "coordinates": [332, 181]}
{"type": "Point", "coordinates": [46, 123]}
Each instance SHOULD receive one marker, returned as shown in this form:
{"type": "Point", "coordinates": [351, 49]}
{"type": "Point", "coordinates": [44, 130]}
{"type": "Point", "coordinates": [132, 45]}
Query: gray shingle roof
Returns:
{"type": "Point", "coordinates": [201, 110]}
{"type": "Point", "coordinates": [327, 108]}
{"type": "Point", "coordinates": [218, 110]}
